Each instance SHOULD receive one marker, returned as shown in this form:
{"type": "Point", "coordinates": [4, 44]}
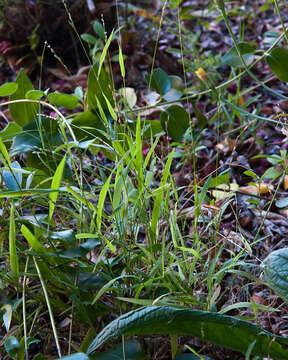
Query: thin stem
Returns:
{"type": "Point", "coordinates": [49, 307]}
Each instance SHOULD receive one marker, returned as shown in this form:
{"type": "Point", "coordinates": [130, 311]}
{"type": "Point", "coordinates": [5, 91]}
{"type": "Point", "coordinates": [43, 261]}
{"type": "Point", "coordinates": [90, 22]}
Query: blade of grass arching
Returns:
{"type": "Point", "coordinates": [159, 198]}
{"type": "Point", "coordinates": [14, 262]}
{"type": "Point", "coordinates": [48, 306]}
{"type": "Point", "coordinates": [107, 286]}
{"type": "Point", "coordinates": [102, 197]}
{"type": "Point", "coordinates": [34, 243]}
{"type": "Point", "coordinates": [55, 185]}
{"type": "Point", "coordinates": [104, 52]}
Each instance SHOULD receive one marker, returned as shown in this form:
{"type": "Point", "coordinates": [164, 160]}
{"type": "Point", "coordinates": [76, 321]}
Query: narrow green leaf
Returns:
{"type": "Point", "coordinates": [121, 62]}
{"type": "Point", "coordinates": [102, 197]}
{"type": "Point", "coordinates": [104, 52]}
{"type": "Point", "coordinates": [110, 108]}
{"type": "Point", "coordinates": [8, 89]}
{"type": "Point", "coordinates": [219, 329]}
{"type": "Point", "coordinates": [55, 185]}
{"type": "Point", "coordinates": [159, 198]}
{"type": "Point", "coordinates": [23, 193]}
{"type": "Point", "coordinates": [23, 113]}
{"type": "Point", "coordinates": [32, 240]}
{"type": "Point", "coordinates": [4, 154]}
{"type": "Point", "coordinates": [277, 62]}
{"type": "Point", "coordinates": [14, 263]}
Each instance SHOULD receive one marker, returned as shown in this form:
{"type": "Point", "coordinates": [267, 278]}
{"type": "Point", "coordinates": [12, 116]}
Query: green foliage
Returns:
{"type": "Point", "coordinates": [277, 61]}
{"type": "Point", "coordinates": [219, 329]}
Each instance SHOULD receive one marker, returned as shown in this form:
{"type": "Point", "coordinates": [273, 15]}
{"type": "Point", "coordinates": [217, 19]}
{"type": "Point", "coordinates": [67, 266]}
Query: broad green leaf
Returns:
{"type": "Point", "coordinates": [88, 125]}
{"type": "Point", "coordinates": [223, 330]}
{"type": "Point", "coordinates": [175, 120]}
{"type": "Point", "coordinates": [277, 61]}
{"type": "Point", "coordinates": [276, 272]}
{"type": "Point", "coordinates": [129, 95]}
{"type": "Point", "coordinates": [90, 39]}
{"type": "Point", "coordinates": [282, 203]}
{"type": "Point", "coordinates": [7, 317]}
{"type": "Point", "coordinates": [23, 112]}
{"type": "Point", "coordinates": [99, 30]}
{"type": "Point", "coordinates": [8, 89]}
{"type": "Point", "coordinates": [131, 350]}
{"type": "Point", "coordinates": [34, 94]}
{"type": "Point", "coordinates": [272, 173]}
{"type": "Point", "coordinates": [232, 58]}
{"type": "Point", "coordinates": [39, 133]}
{"type": "Point", "coordinates": [159, 81]}
{"type": "Point", "coordinates": [99, 84]}
{"type": "Point", "coordinates": [202, 121]}
{"type": "Point", "coordinates": [55, 185]}
{"type": "Point", "coordinates": [77, 356]}
{"type": "Point", "coordinates": [177, 89]}
{"type": "Point", "coordinates": [14, 263]}
{"type": "Point", "coordinates": [175, 3]}
{"type": "Point", "coordinates": [222, 178]}
{"type": "Point", "coordinates": [13, 178]}
{"type": "Point", "coordinates": [12, 346]}
{"type": "Point", "coordinates": [191, 357]}
{"type": "Point", "coordinates": [64, 100]}
{"type": "Point", "coordinates": [10, 131]}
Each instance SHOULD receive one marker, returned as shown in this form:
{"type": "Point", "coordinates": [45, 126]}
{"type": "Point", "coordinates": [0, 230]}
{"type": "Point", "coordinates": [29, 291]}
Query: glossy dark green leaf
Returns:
{"type": "Point", "coordinates": [67, 236]}
{"type": "Point", "coordinates": [232, 58]}
{"type": "Point", "coordinates": [175, 120]}
{"type": "Point", "coordinates": [202, 121]}
{"type": "Point", "coordinates": [276, 272]}
{"type": "Point", "coordinates": [277, 61]}
{"type": "Point", "coordinates": [23, 112]}
{"type": "Point", "coordinates": [12, 346]}
{"type": "Point", "coordinates": [8, 89]}
{"type": "Point", "coordinates": [191, 357]}
{"type": "Point", "coordinates": [219, 329]}
{"type": "Point", "coordinates": [46, 129]}
{"type": "Point", "coordinates": [64, 100]}
{"type": "Point", "coordinates": [97, 86]}
{"type": "Point", "coordinates": [159, 81]}
{"type": "Point", "coordinates": [77, 356]}
{"type": "Point", "coordinates": [13, 178]}
{"type": "Point", "coordinates": [88, 125]}
{"type": "Point", "coordinates": [132, 352]}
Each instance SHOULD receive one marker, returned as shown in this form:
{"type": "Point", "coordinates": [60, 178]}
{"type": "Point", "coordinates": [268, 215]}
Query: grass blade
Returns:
{"type": "Point", "coordinates": [14, 261]}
